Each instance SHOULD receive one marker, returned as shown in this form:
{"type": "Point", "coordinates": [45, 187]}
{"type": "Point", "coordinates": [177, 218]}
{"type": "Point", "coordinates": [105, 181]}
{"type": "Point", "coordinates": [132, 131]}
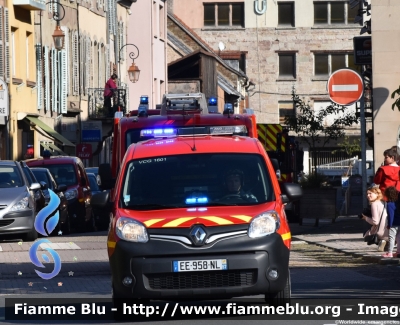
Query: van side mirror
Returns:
{"type": "Point", "coordinates": [106, 179]}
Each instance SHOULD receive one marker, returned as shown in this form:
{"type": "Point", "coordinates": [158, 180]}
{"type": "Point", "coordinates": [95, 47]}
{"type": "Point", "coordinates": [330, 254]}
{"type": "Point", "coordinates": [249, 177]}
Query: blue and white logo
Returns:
{"type": "Point", "coordinates": [46, 221]}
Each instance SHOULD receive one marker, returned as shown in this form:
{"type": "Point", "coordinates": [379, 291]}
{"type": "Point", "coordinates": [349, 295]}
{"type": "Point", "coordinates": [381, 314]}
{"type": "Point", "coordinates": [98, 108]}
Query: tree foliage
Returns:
{"type": "Point", "coordinates": [309, 124]}
{"type": "Point", "coordinates": [349, 146]}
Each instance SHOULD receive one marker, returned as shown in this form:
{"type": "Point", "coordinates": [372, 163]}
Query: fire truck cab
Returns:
{"type": "Point", "coordinates": [197, 213]}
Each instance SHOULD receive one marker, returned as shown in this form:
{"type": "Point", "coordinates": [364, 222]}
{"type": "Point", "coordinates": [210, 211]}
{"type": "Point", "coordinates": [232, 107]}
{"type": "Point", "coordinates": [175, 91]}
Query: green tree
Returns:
{"type": "Point", "coordinates": [309, 124]}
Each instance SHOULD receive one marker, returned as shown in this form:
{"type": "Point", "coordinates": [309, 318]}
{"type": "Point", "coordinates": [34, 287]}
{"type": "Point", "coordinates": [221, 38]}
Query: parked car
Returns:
{"type": "Point", "coordinates": [95, 171]}
{"type": "Point", "coordinates": [71, 172]}
{"type": "Point", "coordinates": [101, 217]}
{"type": "Point", "coordinates": [18, 207]}
{"type": "Point", "coordinates": [38, 193]}
{"type": "Point", "coordinates": [43, 175]}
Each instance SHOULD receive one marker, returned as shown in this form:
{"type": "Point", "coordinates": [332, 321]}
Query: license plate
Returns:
{"type": "Point", "coordinates": [200, 265]}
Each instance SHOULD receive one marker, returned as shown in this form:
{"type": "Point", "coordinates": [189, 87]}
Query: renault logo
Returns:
{"type": "Point", "coordinates": [198, 235]}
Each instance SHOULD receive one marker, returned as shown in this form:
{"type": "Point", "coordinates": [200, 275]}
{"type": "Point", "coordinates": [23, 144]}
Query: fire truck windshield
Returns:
{"type": "Point", "coordinates": [195, 180]}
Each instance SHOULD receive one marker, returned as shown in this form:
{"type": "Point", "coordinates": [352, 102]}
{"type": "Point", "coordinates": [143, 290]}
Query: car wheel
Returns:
{"type": "Point", "coordinates": [280, 298]}
{"type": "Point", "coordinates": [31, 235]}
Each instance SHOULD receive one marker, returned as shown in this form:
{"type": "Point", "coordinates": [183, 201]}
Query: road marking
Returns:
{"type": "Point", "coordinates": [344, 87]}
{"type": "Point", "coordinates": [65, 246]}
{"type": "Point", "coordinates": [1, 249]}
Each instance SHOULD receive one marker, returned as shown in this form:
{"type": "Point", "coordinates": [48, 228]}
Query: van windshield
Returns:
{"type": "Point", "coordinates": [63, 174]}
{"type": "Point", "coordinates": [196, 180]}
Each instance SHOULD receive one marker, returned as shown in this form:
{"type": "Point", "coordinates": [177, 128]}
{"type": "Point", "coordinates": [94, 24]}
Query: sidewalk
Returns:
{"type": "Point", "coordinates": [344, 235]}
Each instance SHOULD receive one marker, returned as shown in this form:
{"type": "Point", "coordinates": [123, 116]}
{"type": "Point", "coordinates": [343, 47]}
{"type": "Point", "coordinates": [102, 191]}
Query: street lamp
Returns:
{"type": "Point", "coordinates": [58, 35]}
{"type": "Point", "coordinates": [133, 71]}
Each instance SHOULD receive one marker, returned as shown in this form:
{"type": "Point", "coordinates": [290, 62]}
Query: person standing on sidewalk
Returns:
{"type": "Point", "coordinates": [393, 221]}
{"type": "Point", "coordinates": [378, 212]}
{"type": "Point", "coordinates": [388, 174]}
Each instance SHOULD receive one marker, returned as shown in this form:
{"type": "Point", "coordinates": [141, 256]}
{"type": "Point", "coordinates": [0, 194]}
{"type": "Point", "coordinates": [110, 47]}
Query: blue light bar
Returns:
{"type": "Point", "coordinates": [212, 101]}
{"type": "Point", "coordinates": [196, 200]}
{"type": "Point", "coordinates": [144, 99]}
{"type": "Point", "coordinates": [167, 132]}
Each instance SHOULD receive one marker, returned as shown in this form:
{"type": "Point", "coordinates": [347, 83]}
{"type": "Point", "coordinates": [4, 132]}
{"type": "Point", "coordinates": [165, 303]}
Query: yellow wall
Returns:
{"type": "Point", "coordinates": [22, 69]}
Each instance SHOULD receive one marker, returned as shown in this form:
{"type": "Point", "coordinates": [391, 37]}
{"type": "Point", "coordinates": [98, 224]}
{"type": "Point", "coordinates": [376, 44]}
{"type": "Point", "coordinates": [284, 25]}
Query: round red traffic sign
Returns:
{"type": "Point", "coordinates": [345, 87]}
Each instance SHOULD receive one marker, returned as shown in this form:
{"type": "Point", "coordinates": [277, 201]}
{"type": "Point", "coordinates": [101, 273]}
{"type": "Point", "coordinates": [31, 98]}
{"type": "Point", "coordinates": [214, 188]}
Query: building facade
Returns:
{"type": "Point", "coordinates": [147, 30]}
{"type": "Point", "coordinates": [285, 44]}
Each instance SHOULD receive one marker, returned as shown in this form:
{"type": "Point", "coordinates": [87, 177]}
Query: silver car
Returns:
{"type": "Point", "coordinates": [17, 201]}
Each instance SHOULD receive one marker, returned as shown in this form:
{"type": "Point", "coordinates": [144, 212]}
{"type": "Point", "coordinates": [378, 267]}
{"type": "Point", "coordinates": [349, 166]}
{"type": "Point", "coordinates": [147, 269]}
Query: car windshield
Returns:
{"type": "Point", "coordinates": [195, 180]}
{"type": "Point", "coordinates": [43, 177]}
{"type": "Point", "coordinates": [93, 183]}
{"type": "Point", "coordinates": [10, 177]}
{"type": "Point", "coordinates": [63, 174]}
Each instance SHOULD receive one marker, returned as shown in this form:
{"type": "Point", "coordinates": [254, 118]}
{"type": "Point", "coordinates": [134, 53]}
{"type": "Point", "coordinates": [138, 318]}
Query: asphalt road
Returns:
{"type": "Point", "coordinates": [316, 272]}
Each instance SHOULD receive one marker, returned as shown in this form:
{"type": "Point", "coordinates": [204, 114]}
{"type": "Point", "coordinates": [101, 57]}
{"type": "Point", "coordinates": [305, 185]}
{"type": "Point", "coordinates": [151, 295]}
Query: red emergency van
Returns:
{"type": "Point", "coordinates": [198, 216]}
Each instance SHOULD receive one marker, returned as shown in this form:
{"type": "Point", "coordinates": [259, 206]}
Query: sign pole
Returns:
{"type": "Point", "coordinates": [363, 153]}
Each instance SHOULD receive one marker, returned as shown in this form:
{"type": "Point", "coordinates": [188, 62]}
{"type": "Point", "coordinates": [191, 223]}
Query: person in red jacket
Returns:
{"type": "Point", "coordinates": [388, 174]}
{"type": "Point", "coordinates": [109, 89]}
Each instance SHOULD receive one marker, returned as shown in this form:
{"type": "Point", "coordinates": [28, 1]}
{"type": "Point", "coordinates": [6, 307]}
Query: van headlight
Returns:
{"type": "Point", "coordinates": [264, 224]}
{"type": "Point", "coordinates": [21, 204]}
{"type": "Point", "coordinates": [71, 194]}
{"type": "Point", "coordinates": [131, 230]}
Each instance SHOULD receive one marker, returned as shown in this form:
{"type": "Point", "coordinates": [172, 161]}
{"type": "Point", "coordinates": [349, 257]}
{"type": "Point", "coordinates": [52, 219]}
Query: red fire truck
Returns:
{"type": "Point", "coordinates": [188, 114]}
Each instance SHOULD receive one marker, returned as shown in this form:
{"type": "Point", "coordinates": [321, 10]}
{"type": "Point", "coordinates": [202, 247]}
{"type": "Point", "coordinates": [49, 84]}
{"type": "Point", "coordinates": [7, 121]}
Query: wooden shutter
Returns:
{"type": "Point", "coordinates": [46, 79]}
{"type": "Point", "coordinates": [54, 79]}
{"type": "Point", "coordinates": [7, 46]}
{"type": "Point", "coordinates": [1, 43]}
{"type": "Point", "coordinates": [39, 76]}
{"type": "Point", "coordinates": [87, 65]}
{"type": "Point", "coordinates": [82, 65]}
{"type": "Point", "coordinates": [62, 81]}
{"type": "Point", "coordinates": [67, 55]}
{"type": "Point", "coordinates": [75, 63]}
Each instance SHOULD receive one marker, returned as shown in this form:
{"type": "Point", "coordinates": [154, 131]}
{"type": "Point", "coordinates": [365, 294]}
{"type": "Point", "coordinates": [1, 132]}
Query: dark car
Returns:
{"type": "Point", "coordinates": [38, 193]}
{"type": "Point", "coordinates": [95, 171]}
{"type": "Point", "coordinates": [43, 175]}
{"type": "Point", "coordinates": [101, 217]}
{"type": "Point", "coordinates": [18, 207]}
{"type": "Point", "coordinates": [71, 172]}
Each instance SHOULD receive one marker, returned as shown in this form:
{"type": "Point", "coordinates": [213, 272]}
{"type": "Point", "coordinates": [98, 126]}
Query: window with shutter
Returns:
{"type": "Point", "coordinates": [46, 79]}
{"type": "Point", "coordinates": [123, 42]}
{"type": "Point", "coordinates": [62, 57]}
{"type": "Point", "coordinates": [75, 63]}
{"type": "Point", "coordinates": [101, 66]}
{"type": "Point", "coordinates": [87, 65]}
{"type": "Point", "coordinates": [39, 89]}
{"type": "Point", "coordinates": [107, 61]}
{"type": "Point", "coordinates": [54, 79]}
{"type": "Point", "coordinates": [1, 44]}
{"type": "Point", "coordinates": [82, 66]}
{"type": "Point", "coordinates": [65, 29]}
{"type": "Point", "coordinates": [7, 46]}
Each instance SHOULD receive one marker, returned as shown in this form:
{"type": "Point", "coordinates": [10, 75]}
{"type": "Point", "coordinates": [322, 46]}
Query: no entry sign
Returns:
{"type": "Point", "coordinates": [345, 87]}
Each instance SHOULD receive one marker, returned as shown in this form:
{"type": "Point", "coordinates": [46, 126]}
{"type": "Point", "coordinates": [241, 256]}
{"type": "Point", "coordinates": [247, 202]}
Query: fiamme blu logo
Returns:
{"type": "Point", "coordinates": [46, 221]}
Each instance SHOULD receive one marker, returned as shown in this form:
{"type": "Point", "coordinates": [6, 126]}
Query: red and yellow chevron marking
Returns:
{"type": "Point", "coordinates": [268, 136]}
{"type": "Point", "coordinates": [206, 220]}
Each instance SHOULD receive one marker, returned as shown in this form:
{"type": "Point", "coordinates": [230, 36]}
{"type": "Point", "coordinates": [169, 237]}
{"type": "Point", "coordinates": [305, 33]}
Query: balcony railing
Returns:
{"type": "Point", "coordinates": [98, 107]}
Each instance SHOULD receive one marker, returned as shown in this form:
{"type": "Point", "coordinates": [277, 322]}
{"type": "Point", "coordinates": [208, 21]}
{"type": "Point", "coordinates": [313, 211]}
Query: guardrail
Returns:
{"type": "Point", "coordinates": [97, 108]}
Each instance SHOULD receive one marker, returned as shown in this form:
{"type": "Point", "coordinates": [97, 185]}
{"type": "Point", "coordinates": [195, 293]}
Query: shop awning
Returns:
{"type": "Point", "coordinates": [50, 131]}
{"type": "Point", "coordinates": [57, 149]}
